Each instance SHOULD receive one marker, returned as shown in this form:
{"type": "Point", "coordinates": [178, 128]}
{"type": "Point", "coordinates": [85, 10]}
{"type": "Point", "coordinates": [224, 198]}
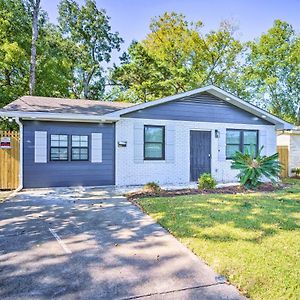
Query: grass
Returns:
{"type": "Point", "coordinates": [252, 239]}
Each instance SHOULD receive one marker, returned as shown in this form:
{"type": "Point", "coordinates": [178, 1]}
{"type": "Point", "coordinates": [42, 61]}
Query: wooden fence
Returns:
{"type": "Point", "coordinates": [283, 152]}
{"type": "Point", "coordinates": [10, 161]}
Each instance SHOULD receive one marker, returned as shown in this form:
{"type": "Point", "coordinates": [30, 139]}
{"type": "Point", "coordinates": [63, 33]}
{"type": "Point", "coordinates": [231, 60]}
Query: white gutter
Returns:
{"type": "Point", "coordinates": [57, 116]}
{"type": "Point", "coordinates": [20, 187]}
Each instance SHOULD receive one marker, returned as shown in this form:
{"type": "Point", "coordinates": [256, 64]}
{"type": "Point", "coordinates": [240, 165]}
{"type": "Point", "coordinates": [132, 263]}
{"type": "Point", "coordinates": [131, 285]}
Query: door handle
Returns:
{"type": "Point", "coordinates": [209, 155]}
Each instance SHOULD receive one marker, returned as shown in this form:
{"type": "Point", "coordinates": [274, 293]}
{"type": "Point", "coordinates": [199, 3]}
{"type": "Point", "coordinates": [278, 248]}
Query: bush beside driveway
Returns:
{"type": "Point", "coordinates": [253, 239]}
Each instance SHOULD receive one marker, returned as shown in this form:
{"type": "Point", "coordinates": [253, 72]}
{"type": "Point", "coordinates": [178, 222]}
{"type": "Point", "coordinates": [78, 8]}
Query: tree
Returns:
{"type": "Point", "coordinates": [272, 71]}
{"type": "Point", "coordinates": [176, 56]}
{"type": "Point", "coordinates": [14, 50]}
{"type": "Point", "coordinates": [88, 27]}
{"type": "Point", "coordinates": [55, 69]}
{"type": "Point", "coordinates": [35, 9]}
{"type": "Point", "coordinates": [140, 77]}
{"type": "Point", "coordinates": [54, 59]}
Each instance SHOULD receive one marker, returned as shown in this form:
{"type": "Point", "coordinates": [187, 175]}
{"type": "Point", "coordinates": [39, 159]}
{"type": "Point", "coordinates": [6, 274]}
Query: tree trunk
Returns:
{"type": "Point", "coordinates": [86, 83]}
{"type": "Point", "coordinates": [298, 115]}
{"type": "Point", "coordinates": [86, 89]}
{"type": "Point", "coordinates": [35, 15]}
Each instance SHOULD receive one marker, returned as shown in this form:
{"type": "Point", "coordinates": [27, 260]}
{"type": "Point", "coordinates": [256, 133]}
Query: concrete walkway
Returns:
{"type": "Point", "coordinates": [94, 244]}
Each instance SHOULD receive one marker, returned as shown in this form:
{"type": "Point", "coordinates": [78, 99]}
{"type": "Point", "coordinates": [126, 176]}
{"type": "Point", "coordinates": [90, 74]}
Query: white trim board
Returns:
{"type": "Point", "coordinates": [47, 116]}
{"type": "Point", "coordinates": [216, 92]}
{"type": "Point", "coordinates": [115, 116]}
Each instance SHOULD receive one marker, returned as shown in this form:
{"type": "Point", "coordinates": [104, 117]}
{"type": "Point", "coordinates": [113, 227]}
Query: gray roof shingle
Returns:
{"type": "Point", "coordinates": [64, 105]}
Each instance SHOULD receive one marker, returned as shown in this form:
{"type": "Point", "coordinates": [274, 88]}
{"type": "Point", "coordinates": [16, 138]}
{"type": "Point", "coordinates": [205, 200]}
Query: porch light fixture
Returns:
{"type": "Point", "coordinates": [217, 133]}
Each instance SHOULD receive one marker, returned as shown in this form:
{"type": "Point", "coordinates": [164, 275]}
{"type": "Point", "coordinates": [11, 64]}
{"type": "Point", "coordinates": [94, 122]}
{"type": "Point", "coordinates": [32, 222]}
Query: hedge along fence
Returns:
{"type": "Point", "coordinates": [10, 161]}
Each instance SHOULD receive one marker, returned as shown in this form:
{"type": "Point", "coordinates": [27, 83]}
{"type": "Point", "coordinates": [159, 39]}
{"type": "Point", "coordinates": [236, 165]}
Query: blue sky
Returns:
{"type": "Point", "coordinates": [131, 18]}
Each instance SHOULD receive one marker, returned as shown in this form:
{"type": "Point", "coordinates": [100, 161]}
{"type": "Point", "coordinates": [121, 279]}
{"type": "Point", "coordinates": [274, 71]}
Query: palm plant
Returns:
{"type": "Point", "coordinates": [253, 167]}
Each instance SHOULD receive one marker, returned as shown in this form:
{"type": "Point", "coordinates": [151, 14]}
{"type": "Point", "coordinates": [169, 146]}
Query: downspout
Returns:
{"type": "Point", "coordinates": [20, 187]}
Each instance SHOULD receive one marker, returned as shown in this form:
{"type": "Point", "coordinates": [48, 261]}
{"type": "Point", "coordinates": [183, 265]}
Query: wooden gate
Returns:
{"type": "Point", "coordinates": [283, 152]}
{"type": "Point", "coordinates": [10, 161]}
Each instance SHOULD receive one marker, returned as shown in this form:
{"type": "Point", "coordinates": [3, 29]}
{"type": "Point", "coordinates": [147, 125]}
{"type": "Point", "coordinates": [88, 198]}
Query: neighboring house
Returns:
{"type": "Point", "coordinates": [171, 140]}
{"type": "Point", "coordinates": [291, 140]}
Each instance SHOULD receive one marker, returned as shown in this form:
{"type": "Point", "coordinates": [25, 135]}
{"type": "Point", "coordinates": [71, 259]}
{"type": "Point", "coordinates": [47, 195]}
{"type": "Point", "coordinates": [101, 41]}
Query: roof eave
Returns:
{"type": "Point", "coordinates": [279, 123]}
{"type": "Point", "coordinates": [47, 116]}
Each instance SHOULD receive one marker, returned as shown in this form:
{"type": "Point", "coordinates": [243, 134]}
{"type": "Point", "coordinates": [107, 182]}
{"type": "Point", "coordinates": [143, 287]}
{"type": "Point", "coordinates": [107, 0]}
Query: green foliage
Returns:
{"type": "Point", "coordinates": [272, 71]}
{"type": "Point", "coordinates": [7, 124]}
{"type": "Point", "coordinates": [206, 181]}
{"type": "Point", "coordinates": [88, 28]}
{"type": "Point", "coordinates": [15, 37]}
{"type": "Point", "coordinates": [55, 69]}
{"type": "Point", "coordinates": [177, 56]}
{"type": "Point", "coordinates": [296, 171]}
{"type": "Point", "coordinates": [54, 54]}
{"type": "Point", "coordinates": [252, 168]}
{"type": "Point", "coordinates": [152, 187]}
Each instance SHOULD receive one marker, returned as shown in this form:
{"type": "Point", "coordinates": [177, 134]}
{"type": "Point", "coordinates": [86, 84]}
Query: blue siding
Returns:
{"type": "Point", "coordinates": [69, 173]}
{"type": "Point", "coordinates": [202, 107]}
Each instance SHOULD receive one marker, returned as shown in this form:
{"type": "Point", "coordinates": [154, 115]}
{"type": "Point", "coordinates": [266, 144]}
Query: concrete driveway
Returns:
{"type": "Point", "coordinates": [93, 244]}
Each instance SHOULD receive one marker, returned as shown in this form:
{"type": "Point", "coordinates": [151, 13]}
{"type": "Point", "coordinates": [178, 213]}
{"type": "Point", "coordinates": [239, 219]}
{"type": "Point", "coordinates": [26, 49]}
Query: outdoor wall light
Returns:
{"type": "Point", "coordinates": [122, 144]}
{"type": "Point", "coordinates": [217, 133]}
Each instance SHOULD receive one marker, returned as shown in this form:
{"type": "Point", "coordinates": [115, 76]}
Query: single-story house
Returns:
{"type": "Point", "coordinates": [291, 140]}
{"type": "Point", "coordinates": [67, 142]}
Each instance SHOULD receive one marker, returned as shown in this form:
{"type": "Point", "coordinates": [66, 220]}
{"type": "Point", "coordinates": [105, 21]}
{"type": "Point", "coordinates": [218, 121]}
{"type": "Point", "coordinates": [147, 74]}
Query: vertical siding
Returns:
{"type": "Point", "coordinates": [202, 107]}
{"type": "Point", "coordinates": [69, 173]}
{"type": "Point", "coordinates": [9, 162]}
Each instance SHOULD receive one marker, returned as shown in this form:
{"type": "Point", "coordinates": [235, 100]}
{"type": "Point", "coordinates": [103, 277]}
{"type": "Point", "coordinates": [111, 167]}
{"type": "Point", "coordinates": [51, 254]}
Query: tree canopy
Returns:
{"type": "Point", "coordinates": [73, 58]}
{"type": "Point", "coordinates": [93, 42]}
{"type": "Point", "coordinates": [176, 56]}
{"type": "Point", "coordinates": [272, 70]}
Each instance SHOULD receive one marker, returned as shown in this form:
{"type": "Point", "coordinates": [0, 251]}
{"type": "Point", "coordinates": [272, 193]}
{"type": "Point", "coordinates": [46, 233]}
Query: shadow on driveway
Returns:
{"type": "Point", "coordinates": [83, 247]}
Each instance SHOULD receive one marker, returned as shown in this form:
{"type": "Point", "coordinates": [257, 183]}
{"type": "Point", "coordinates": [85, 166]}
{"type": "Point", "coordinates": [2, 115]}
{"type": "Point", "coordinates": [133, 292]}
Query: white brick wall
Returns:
{"type": "Point", "coordinates": [132, 172]}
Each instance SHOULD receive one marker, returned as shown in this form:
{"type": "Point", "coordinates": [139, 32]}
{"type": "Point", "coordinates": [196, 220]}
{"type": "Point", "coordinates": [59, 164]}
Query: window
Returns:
{"type": "Point", "coordinates": [154, 142]}
{"type": "Point", "coordinates": [241, 140]}
{"type": "Point", "coordinates": [80, 147]}
{"type": "Point", "coordinates": [58, 147]}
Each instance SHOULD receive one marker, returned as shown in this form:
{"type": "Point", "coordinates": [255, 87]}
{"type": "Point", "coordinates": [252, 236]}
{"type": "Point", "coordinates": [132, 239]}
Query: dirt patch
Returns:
{"type": "Point", "coordinates": [237, 189]}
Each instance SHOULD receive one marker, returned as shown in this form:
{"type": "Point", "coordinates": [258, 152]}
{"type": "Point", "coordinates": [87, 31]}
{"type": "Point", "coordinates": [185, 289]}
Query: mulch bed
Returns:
{"type": "Point", "coordinates": [237, 189]}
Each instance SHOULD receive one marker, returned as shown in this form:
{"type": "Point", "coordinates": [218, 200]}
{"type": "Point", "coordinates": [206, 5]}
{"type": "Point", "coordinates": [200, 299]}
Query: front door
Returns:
{"type": "Point", "coordinates": [200, 153]}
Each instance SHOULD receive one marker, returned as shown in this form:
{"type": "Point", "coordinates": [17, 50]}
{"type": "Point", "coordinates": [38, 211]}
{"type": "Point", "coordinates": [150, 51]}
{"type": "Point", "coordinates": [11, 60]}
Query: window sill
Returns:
{"type": "Point", "coordinates": [154, 161]}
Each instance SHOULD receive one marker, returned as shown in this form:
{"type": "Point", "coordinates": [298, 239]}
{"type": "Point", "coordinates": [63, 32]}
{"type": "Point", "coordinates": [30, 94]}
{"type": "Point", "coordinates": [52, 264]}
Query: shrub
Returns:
{"type": "Point", "coordinates": [252, 168]}
{"type": "Point", "coordinates": [206, 181]}
{"type": "Point", "coordinates": [152, 187]}
{"type": "Point", "coordinates": [296, 171]}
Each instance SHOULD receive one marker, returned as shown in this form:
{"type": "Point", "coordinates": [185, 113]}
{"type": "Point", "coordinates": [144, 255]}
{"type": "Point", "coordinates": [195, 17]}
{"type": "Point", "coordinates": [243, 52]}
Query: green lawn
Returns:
{"type": "Point", "coordinates": [253, 239]}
